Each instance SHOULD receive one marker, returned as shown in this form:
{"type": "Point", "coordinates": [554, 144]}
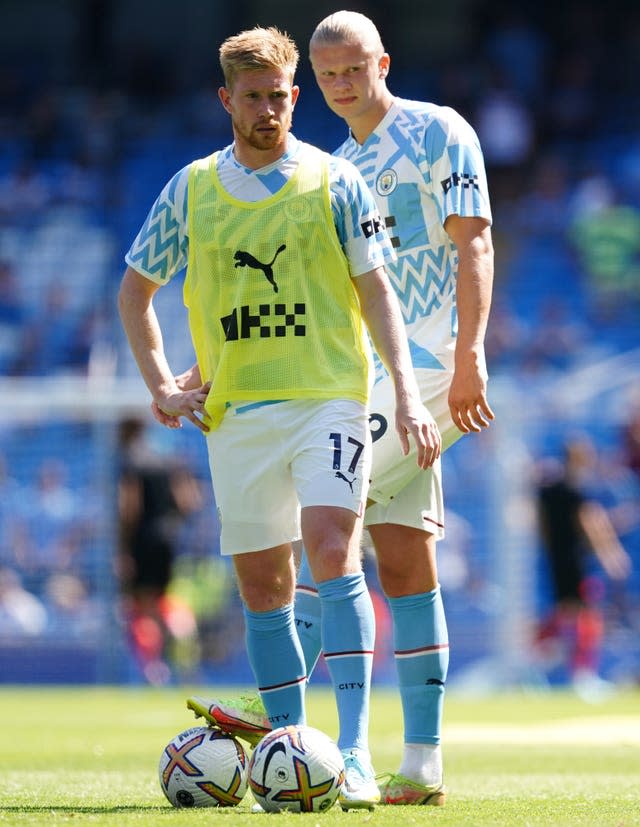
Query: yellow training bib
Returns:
{"type": "Point", "coordinates": [272, 308]}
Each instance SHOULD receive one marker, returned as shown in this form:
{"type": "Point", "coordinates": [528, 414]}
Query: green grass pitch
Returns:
{"type": "Point", "coordinates": [77, 756]}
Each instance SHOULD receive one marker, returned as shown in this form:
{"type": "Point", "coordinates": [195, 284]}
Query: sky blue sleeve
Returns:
{"type": "Point", "coordinates": [360, 229]}
{"type": "Point", "coordinates": [160, 249]}
{"type": "Point", "coordinates": [457, 167]}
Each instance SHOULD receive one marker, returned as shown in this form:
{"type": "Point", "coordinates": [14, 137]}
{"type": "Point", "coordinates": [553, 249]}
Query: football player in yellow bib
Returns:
{"type": "Point", "coordinates": [285, 255]}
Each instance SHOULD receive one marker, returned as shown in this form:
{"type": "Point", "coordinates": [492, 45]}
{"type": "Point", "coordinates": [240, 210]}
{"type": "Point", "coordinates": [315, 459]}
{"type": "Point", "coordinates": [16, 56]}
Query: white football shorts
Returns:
{"type": "Point", "coordinates": [419, 504]}
{"type": "Point", "coordinates": [268, 460]}
{"type": "Point", "coordinates": [400, 491]}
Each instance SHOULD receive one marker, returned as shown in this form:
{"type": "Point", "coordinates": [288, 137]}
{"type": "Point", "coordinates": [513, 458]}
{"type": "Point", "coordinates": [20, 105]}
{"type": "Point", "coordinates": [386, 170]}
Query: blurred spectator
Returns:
{"type": "Point", "coordinates": [22, 614]}
{"type": "Point", "coordinates": [572, 105]}
{"type": "Point", "coordinates": [506, 131]}
{"type": "Point", "coordinates": [559, 337]}
{"type": "Point", "coordinates": [49, 342]}
{"type": "Point", "coordinates": [155, 495]}
{"type": "Point", "coordinates": [59, 341]}
{"type": "Point", "coordinates": [541, 208]}
{"type": "Point", "coordinates": [11, 305]}
{"type": "Point", "coordinates": [631, 440]}
{"type": "Point", "coordinates": [11, 496]}
{"type": "Point", "coordinates": [54, 523]}
{"type": "Point", "coordinates": [12, 315]}
{"type": "Point", "coordinates": [24, 195]}
{"type": "Point", "coordinates": [92, 351]}
{"type": "Point", "coordinates": [102, 136]}
{"type": "Point", "coordinates": [606, 237]}
{"type": "Point", "coordinates": [80, 183]}
{"type": "Point", "coordinates": [592, 193]}
{"type": "Point", "coordinates": [572, 524]}
{"type": "Point", "coordinates": [72, 613]}
{"type": "Point", "coordinates": [519, 49]}
{"type": "Point", "coordinates": [506, 337]}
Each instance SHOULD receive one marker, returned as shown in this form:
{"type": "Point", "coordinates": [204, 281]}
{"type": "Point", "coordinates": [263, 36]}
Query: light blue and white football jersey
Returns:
{"type": "Point", "coordinates": [160, 250]}
{"type": "Point", "coordinates": [423, 163]}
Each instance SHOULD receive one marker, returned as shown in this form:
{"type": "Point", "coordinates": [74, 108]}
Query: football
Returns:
{"type": "Point", "coordinates": [296, 768]}
{"type": "Point", "coordinates": [202, 767]}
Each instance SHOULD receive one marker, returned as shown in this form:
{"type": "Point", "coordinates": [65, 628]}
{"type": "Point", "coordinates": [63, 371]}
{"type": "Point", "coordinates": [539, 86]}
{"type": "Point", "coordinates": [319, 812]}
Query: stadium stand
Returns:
{"type": "Point", "coordinates": [80, 165]}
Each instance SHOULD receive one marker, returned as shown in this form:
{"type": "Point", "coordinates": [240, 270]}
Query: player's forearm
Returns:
{"type": "Point", "coordinates": [140, 323]}
{"type": "Point", "coordinates": [473, 293]}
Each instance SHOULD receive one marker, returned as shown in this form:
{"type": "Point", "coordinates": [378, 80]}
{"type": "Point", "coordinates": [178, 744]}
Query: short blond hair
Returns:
{"type": "Point", "coordinates": [256, 49]}
{"type": "Point", "coordinates": [348, 27]}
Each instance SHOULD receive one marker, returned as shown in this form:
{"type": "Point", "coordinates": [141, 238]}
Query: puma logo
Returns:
{"type": "Point", "coordinates": [349, 482]}
{"type": "Point", "coordinates": [244, 259]}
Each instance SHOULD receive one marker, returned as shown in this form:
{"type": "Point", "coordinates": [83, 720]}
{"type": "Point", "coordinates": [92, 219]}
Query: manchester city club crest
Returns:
{"type": "Point", "coordinates": [297, 210]}
{"type": "Point", "coordinates": [386, 182]}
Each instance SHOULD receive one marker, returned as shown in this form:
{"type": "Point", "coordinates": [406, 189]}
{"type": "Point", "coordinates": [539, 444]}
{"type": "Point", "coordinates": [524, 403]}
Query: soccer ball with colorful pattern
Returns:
{"type": "Point", "coordinates": [203, 767]}
{"type": "Point", "coordinates": [296, 768]}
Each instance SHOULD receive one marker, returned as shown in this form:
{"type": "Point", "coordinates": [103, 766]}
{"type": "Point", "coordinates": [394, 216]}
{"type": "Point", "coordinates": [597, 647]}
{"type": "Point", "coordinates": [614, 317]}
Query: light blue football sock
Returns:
{"type": "Point", "coordinates": [276, 658]}
{"type": "Point", "coordinates": [307, 615]}
{"type": "Point", "coordinates": [421, 646]}
{"type": "Point", "coordinates": [348, 638]}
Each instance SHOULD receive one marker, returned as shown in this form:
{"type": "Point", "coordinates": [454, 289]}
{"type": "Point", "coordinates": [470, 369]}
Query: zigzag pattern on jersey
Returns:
{"type": "Point", "coordinates": [158, 235]}
{"type": "Point", "coordinates": [420, 282]}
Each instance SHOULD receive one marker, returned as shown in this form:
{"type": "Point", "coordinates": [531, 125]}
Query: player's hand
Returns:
{"type": "Point", "coordinates": [163, 418]}
{"type": "Point", "coordinates": [468, 403]}
{"type": "Point", "coordinates": [189, 380]}
{"type": "Point", "coordinates": [414, 420]}
{"type": "Point", "coordinates": [188, 404]}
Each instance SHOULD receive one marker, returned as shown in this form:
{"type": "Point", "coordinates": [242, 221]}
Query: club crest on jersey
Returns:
{"type": "Point", "coordinates": [298, 210]}
{"type": "Point", "coordinates": [386, 182]}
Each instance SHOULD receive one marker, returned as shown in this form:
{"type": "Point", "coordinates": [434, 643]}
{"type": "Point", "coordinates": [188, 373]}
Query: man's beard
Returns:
{"type": "Point", "coordinates": [262, 140]}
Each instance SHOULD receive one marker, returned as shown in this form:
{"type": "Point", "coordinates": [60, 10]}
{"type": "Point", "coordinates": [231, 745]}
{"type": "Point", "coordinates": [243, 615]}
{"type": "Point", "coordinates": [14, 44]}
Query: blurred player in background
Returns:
{"type": "Point", "coordinates": [156, 494]}
{"type": "Point", "coordinates": [574, 525]}
{"type": "Point", "coordinates": [285, 254]}
{"type": "Point", "coordinates": [424, 166]}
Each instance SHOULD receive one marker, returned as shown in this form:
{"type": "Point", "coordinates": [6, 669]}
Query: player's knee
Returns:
{"type": "Point", "coordinates": [399, 580]}
{"type": "Point", "coordinates": [265, 594]}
